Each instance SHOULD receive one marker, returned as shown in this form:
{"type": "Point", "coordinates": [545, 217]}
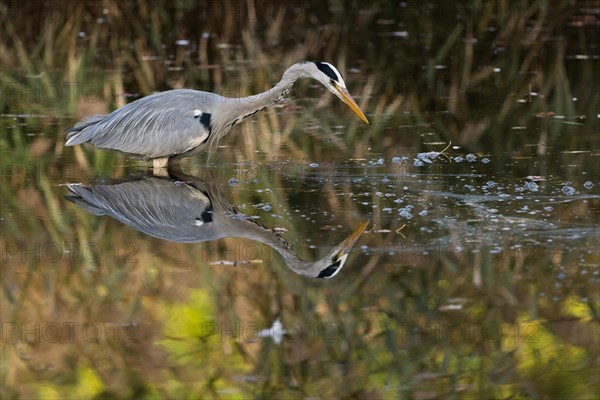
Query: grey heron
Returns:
{"type": "Point", "coordinates": [187, 209]}
{"type": "Point", "coordinates": [176, 122]}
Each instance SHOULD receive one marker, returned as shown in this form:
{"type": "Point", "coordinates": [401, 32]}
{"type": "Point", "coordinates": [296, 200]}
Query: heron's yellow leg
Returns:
{"type": "Point", "coordinates": [160, 166]}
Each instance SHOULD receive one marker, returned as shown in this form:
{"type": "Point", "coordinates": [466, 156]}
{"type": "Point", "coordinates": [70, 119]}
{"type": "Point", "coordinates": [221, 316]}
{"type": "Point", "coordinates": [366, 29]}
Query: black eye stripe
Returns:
{"type": "Point", "coordinates": [330, 270]}
{"type": "Point", "coordinates": [326, 69]}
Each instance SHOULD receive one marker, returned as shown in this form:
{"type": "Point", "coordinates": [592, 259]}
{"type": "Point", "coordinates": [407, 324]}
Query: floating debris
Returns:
{"type": "Point", "coordinates": [427, 157]}
{"type": "Point", "coordinates": [450, 307]}
{"type": "Point", "coordinates": [471, 157]}
{"type": "Point", "coordinates": [568, 190]}
{"type": "Point", "coordinates": [233, 182]}
{"type": "Point", "coordinates": [588, 185]}
{"type": "Point", "coordinates": [275, 332]}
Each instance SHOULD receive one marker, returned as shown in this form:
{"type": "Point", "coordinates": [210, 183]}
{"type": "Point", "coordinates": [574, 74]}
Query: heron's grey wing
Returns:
{"type": "Point", "coordinates": [159, 125]}
{"type": "Point", "coordinates": [80, 195]}
{"type": "Point", "coordinates": [74, 132]}
{"type": "Point", "coordinates": [157, 207]}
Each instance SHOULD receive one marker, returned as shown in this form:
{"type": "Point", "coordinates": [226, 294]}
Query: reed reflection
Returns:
{"type": "Point", "coordinates": [183, 208]}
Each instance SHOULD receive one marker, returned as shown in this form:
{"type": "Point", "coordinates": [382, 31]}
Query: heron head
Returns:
{"type": "Point", "coordinates": [331, 78]}
{"type": "Point", "coordinates": [329, 266]}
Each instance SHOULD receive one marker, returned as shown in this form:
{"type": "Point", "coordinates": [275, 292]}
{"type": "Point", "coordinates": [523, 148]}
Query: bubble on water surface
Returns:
{"type": "Point", "coordinates": [405, 212]}
{"type": "Point", "coordinates": [532, 186]}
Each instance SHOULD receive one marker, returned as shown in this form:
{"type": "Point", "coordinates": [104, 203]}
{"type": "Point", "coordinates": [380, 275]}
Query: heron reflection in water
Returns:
{"type": "Point", "coordinates": [181, 208]}
{"type": "Point", "coordinates": [176, 122]}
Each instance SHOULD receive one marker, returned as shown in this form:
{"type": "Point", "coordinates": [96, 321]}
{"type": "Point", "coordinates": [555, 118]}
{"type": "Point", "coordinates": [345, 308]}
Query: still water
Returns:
{"type": "Point", "coordinates": [458, 232]}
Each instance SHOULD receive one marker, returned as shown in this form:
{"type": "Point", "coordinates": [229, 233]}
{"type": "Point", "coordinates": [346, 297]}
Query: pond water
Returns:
{"type": "Point", "coordinates": [458, 231]}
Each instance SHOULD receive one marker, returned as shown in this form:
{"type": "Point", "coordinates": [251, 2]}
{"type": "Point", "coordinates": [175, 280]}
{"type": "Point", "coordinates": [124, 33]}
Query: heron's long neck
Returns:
{"type": "Point", "coordinates": [261, 234]}
{"type": "Point", "coordinates": [244, 107]}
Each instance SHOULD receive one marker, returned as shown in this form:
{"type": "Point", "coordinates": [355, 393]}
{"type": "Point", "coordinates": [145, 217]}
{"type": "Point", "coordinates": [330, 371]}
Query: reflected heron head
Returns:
{"type": "Point", "coordinates": [329, 266]}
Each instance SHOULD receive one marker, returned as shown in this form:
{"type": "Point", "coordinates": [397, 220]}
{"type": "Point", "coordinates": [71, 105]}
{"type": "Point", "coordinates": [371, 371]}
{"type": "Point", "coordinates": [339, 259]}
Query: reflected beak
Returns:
{"type": "Point", "coordinates": [346, 245]}
{"type": "Point", "coordinates": [346, 98]}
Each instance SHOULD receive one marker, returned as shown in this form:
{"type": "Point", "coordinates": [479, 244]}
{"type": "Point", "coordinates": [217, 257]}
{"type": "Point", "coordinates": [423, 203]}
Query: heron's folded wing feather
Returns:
{"type": "Point", "coordinates": [159, 125]}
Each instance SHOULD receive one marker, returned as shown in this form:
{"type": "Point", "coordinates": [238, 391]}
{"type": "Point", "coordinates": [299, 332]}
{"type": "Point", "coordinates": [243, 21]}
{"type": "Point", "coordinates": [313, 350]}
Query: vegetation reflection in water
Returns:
{"type": "Point", "coordinates": [477, 278]}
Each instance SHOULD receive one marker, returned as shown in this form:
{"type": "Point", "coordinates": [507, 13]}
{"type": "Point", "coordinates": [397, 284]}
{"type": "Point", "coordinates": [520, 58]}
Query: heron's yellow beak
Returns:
{"type": "Point", "coordinates": [346, 98]}
{"type": "Point", "coordinates": [346, 245]}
